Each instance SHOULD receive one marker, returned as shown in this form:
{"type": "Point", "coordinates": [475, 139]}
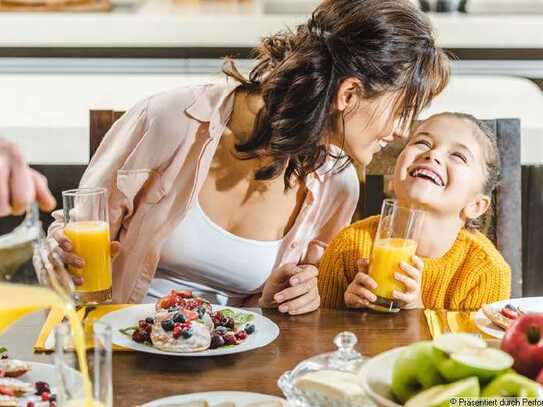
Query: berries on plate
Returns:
{"type": "Point", "coordinates": [167, 325]}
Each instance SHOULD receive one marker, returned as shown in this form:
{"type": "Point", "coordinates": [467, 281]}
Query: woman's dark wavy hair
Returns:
{"type": "Point", "coordinates": [387, 44]}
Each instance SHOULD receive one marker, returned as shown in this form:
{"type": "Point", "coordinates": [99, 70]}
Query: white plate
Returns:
{"type": "Point", "coordinates": [266, 331]}
{"type": "Point", "coordinates": [43, 372]}
{"type": "Point", "coordinates": [527, 304]}
{"type": "Point", "coordinates": [377, 377]}
{"type": "Point", "coordinates": [214, 397]}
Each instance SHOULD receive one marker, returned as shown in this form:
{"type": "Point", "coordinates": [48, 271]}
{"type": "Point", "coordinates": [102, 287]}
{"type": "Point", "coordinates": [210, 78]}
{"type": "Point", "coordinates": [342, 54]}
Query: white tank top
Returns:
{"type": "Point", "coordinates": [212, 262]}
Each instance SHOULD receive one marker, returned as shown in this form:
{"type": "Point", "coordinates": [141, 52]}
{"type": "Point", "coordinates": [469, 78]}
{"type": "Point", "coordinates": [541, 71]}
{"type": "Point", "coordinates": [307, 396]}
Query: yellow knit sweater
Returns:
{"type": "Point", "coordinates": [470, 274]}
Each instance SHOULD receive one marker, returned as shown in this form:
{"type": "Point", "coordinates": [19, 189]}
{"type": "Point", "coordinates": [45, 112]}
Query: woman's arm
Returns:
{"type": "Point", "coordinates": [119, 144]}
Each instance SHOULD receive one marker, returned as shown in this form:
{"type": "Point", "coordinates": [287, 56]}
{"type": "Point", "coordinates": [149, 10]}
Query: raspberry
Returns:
{"type": "Point", "coordinates": [42, 387]}
{"type": "Point", "coordinates": [241, 335]}
{"type": "Point", "coordinates": [177, 331]}
{"type": "Point", "coordinates": [230, 339]}
{"type": "Point", "coordinates": [45, 396]}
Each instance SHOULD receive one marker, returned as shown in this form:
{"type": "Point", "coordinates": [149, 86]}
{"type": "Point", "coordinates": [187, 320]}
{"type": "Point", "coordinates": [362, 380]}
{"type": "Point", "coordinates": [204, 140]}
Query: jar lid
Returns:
{"type": "Point", "coordinates": [341, 368]}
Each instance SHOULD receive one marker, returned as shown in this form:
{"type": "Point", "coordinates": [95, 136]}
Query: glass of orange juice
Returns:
{"type": "Point", "coordinates": [87, 227]}
{"type": "Point", "coordinates": [395, 242]}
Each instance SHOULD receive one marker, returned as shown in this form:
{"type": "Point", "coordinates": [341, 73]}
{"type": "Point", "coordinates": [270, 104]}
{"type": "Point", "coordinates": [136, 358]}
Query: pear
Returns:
{"type": "Point", "coordinates": [439, 396]}
{"type": "Point", "coordinates": [415, 370]}
{"type": "Point", "coordinates": [486, 364]}
{"type": "Point", "coordinates": [511, 385]}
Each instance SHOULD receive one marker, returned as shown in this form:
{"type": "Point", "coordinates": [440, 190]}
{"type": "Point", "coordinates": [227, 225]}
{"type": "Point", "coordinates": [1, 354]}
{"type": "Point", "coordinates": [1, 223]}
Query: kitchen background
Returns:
{"type": "Point", "coordinates": [61, 58]}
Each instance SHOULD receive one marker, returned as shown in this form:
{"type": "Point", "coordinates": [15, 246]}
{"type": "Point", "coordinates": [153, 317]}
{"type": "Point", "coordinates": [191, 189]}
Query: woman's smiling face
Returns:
{"type": "Point", "coordinates": [442, 167]}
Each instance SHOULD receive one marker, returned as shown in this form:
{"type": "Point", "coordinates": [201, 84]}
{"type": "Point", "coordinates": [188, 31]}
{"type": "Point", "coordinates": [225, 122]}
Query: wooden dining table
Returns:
{"type": "Point", "coordinates": [141, 377]}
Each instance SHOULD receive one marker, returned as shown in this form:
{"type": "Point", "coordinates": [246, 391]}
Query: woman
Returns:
{"type": "Point", "coordinates": [235, 190]}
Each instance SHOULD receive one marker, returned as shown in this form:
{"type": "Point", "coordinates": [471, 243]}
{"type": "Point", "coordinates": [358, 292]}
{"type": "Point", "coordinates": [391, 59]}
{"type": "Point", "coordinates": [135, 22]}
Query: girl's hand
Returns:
{"type": "Point", "coordinates": [358, 293]}
{"type": "Point", "coordinates": [412, 279]}
{"type": "Point", "coordinates": [293, 289]}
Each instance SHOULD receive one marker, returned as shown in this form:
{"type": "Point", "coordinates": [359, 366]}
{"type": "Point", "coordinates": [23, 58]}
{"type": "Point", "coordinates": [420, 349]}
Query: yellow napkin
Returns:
{"type": "Point", "coordinates": [441, 321]}
{"type": "Point", "coordinates": [56, 316]}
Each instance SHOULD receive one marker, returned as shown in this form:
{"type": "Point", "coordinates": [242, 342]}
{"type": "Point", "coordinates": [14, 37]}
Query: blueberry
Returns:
{"type": "Point", "coordinates": [216, 342]}
{"type": "Point", "coordinates": [221, 330]}
{"type": "Point", "coordinates": [250, 329]}
{"type": "Point", "coordinates": [167, 325]}
{"type": "Point", "coordinates": [150, 320]}
{"type": "Point", "coordinates": [186, 333]}
{"type": "Point", "coordinates": [179, 317]}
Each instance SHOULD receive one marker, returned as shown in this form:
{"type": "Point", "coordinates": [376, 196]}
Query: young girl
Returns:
{"type": "Point", "coordinates": [449, 168]}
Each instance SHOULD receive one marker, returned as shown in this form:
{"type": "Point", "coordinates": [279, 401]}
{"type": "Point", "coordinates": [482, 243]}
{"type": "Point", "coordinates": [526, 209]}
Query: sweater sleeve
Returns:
{"type": "Point", "coordinates": [338, 266]}
{"type": "Point", "coordinates": [487, 279]}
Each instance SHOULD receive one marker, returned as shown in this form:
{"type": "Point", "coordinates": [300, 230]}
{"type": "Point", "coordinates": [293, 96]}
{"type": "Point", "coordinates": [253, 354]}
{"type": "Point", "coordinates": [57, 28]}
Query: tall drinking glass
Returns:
{"type": "Point", "coordinates": [395, 242]}
{"type": "Point", "coordinates": [70, 391]}
{"type": "Point", "coordinates": [87, 227]}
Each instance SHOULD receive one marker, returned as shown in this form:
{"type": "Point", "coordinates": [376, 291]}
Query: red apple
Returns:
{"type": "Point", "coordinates": [524, 342]}
{"type": "Point", "coordinates": [540, 377]}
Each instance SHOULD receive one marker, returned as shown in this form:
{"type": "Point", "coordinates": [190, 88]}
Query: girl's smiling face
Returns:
{"type": "Point", "coordinates": [442, 169]}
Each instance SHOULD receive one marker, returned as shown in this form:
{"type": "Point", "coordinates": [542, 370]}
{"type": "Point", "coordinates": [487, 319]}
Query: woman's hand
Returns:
{"type": "Point", "coordinates": [412, 279]}
{"type": "Point", "coordinates": [19, 184]}
{"type": "Point", "coordinates": [358, 293]}
{"type": "Point", "coordinates": [69, 258]}
{"type": "Point", "coordinates": [293, 289]}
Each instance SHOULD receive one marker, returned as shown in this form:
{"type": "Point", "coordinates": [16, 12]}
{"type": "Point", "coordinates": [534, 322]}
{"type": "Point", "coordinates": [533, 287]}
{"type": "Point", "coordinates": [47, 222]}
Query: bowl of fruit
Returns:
{"type": "Point", "coordinates": [430, 373]}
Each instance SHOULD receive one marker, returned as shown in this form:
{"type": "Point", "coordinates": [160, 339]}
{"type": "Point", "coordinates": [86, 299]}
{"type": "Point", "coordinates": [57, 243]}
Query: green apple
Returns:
{"type": "Point", "coordinates": [456, 342]}
{"type": "Point", "coordinates": [439, 396]}
{"type": "Point", "coordinates": [415, 370]}
{"type": "Point", "coordinates": [511, 385]}
{"type": "Point", "coordinates": [486, 364]}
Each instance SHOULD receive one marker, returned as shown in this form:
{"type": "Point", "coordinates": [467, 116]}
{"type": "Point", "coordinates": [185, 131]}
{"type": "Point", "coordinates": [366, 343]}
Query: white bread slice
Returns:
{"type": "Point", "coordinates": [331, 385]}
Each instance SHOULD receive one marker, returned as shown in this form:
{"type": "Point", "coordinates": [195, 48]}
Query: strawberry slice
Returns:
{"type": "Point", "coordinates": [167, 302]}
{"type": "Point", "coordinates": [182, 293]}
{"type": "Point", "coordinates": [190, 315]}
{"type": "Point", "coordinates": [509, 313]}
{"type": "Point", "coordinates": [6, 391]}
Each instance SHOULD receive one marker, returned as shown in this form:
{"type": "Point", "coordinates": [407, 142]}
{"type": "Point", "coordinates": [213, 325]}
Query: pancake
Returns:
{"type": "Point", "coordinates": [165, 341]}
{"type": "Point", "coordinates": [14, 367]}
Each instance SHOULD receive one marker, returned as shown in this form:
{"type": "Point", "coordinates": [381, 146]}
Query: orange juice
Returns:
{"type": "Point", "coordinates": [90, 240]}
{"type": "Point", "coordinates": [385, 261]}
{"type": "Point", "coordinates": [18, 299]}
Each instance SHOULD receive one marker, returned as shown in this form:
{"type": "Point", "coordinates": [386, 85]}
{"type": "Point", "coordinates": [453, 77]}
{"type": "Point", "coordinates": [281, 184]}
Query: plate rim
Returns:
{"type": "Point", "coordinates": [231, 351]}
{"type": "Point", "coordinates": [492, 329]}
{"type": "Point", "coordinates": [169, 399]}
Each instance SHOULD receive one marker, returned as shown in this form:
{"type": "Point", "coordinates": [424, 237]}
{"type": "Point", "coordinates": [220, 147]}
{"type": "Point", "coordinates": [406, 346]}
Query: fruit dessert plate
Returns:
{"type": "Point", "coordinates": [24, 384]}
{"type": "Point", "coordinates": [183, 325]}
{"type": "Point", "coordinates": [494, 319]}
{"type": "Point", "coordinates": [429, 373]}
